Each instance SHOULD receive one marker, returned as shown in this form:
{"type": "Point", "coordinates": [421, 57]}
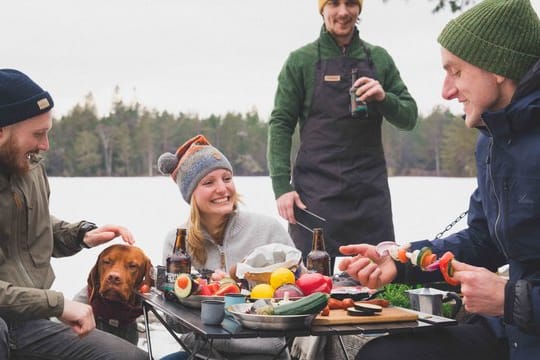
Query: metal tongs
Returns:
{"type": "Point", "coordinates": [308, 220]}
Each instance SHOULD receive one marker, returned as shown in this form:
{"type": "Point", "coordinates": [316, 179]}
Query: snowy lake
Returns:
{"type": "Point", "coordinates": [152, 206]}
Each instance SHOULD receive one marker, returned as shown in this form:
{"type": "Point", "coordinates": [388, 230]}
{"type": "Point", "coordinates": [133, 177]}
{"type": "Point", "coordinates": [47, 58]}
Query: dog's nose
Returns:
{"type": "Point", "coordinates": [113, 278]}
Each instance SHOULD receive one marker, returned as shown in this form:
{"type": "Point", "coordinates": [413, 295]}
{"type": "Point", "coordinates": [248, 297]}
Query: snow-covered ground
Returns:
{"type": "Point", "coordinates": [150, 207]}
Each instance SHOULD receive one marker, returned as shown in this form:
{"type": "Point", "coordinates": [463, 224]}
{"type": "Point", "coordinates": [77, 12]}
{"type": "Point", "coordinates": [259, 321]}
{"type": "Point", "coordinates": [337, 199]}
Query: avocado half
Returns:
{"type": "Point", "coordinates": [183, 286]}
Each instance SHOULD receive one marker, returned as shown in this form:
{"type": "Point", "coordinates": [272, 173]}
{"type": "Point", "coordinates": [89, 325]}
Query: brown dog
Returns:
{"type": "Point", "coordinates": [119, 270]}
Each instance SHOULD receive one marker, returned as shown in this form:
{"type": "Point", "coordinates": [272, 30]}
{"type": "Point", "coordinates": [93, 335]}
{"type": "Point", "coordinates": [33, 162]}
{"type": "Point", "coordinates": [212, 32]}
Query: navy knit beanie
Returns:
{"type": "Point", "coordinates": [193, 160]}
{"type": "Point", "coordinates": [21, 98]}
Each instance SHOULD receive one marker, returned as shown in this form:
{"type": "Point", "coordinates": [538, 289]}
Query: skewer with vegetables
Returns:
{"type": "Point", "coordinates": [423, 258]}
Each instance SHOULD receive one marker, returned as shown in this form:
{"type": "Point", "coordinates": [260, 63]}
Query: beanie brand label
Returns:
{"type": "Point", "coordinates": [43, 103]}
{"type": "Point", "coordinates": [332, 78]}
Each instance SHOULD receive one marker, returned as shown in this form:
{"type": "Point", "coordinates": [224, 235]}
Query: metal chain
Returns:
{"type": "Point", "coordinates": [449, 226]}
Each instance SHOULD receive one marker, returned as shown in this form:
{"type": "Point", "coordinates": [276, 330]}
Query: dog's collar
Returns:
{"type": "Point", "coordinates": [115, 313]}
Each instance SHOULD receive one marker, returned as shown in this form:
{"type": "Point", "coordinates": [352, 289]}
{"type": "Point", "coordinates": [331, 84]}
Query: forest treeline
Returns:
{"type": "Point", "coordinates": [128, 141]}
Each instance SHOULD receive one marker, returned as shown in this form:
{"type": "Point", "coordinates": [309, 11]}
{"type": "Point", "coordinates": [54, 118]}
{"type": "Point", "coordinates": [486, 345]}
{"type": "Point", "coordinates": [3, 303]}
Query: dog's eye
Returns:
{"type": "Point", "coordinates": [107, 261]}
{"type": "Point", "coordinates": [133, 266]}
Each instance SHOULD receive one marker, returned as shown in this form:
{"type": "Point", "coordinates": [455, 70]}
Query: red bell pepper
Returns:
{"type": "Point", "coordinates": [445, 265]}
{"type": "Point", "coordinates": [314, 282]}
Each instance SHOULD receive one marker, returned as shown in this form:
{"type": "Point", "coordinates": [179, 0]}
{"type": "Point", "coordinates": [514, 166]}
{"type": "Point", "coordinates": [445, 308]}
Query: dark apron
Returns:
{"type": "Point", "coordinates": [340, 170]}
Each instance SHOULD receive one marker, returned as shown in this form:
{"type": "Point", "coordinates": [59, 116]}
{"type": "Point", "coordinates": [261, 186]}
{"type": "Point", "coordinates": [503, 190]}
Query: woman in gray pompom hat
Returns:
{"type": "Point", "coordinates": [219, 234]}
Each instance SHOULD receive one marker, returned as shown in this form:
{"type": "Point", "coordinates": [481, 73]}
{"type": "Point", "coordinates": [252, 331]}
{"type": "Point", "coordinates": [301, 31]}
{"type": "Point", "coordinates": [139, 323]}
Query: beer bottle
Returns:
{"type": "Point", "coordinates": [178, 262]}
{"type": "Point", "coordinates": [318, 259]}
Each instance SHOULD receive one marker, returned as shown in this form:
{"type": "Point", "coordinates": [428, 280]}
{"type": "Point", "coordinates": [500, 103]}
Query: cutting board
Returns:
{"type": "Point", "coordinates": [389, 314]}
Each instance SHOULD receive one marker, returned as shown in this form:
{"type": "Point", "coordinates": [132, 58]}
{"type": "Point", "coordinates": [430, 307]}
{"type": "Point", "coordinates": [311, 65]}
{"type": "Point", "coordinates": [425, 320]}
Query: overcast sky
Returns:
{"type": "Point", "coordinates": [200, 56]}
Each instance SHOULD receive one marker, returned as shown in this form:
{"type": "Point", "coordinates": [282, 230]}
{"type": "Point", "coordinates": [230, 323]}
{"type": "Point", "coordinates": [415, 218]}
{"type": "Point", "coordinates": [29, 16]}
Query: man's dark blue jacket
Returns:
{"type": "Point", "coordinates": [504, 216]}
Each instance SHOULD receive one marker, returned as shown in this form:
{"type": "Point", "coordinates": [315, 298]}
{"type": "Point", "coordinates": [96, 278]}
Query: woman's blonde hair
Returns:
{"type": "Point", "coordinates": [195, 237]}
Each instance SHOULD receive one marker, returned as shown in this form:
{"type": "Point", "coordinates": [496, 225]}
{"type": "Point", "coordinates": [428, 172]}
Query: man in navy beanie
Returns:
{"type": "Point", "coordinates": [491, 57]}
{"type": "Point", "coordinates": [30, 235]}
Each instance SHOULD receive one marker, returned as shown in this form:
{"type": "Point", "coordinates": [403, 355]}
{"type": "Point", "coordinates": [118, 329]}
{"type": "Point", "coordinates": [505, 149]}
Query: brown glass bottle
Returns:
{"type": "Point", "coordinates": [179, 260]}
{"type": "Point", "coordinates": [318, 259]}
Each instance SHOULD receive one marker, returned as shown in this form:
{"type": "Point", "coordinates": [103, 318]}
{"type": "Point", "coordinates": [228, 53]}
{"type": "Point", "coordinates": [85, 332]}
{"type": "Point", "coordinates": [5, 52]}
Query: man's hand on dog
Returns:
{"type": "Point", "coordinates": [106, 233]}
{"type": "Point", "coordinates": [79, 316]}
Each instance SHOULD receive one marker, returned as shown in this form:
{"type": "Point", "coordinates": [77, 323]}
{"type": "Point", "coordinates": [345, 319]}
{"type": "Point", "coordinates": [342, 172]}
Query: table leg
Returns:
{"type": "Point", "coordinates": [147, 327]}
{"type": "Point", "coordinates": [288, 344]}
{"type": "Point", "coordinates": [343, 347]}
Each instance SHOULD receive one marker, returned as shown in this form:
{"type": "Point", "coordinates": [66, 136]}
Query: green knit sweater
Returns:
{"type": "Point", "coordinates": [295, 90]}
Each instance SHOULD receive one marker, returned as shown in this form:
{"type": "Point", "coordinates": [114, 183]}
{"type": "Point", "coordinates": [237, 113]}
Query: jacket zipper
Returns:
{"type": "Point", "coordinates": [499, 205]}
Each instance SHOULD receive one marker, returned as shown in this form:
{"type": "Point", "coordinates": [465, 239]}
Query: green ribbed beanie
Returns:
{"type": "Point", "coordinates": [500, 36]}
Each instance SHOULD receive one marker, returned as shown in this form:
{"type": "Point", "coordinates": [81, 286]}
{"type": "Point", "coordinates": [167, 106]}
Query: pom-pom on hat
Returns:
{"type": "Point", "coordinates": [323, 2]}
{"type": "Point", "coordinates": [500, 36]}
{"type": "Point", "coordinates": [21, 98]}
{"type": "Point", "coordinates": [193, 160]}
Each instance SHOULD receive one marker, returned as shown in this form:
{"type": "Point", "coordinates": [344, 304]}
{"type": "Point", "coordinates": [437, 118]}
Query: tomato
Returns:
{"type": "Point", "coordinates": [445, 265]}
{"type": "Point", "coordinates": [213, 287]}
{"type": "Point", "coordinates": [145, 288]}
{"type": "Point", "coordinates": [205, 290]}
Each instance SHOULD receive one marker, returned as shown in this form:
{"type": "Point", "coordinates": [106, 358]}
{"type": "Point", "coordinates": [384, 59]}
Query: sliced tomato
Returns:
{"type": "Point", "coordinates": [229, 288]}
{"type": "Point", "coordinates": [205, 291]}
{"type": "Point", "coordinates": [445, 265]}
{"type": "Point", "coordinates": [145, 288]}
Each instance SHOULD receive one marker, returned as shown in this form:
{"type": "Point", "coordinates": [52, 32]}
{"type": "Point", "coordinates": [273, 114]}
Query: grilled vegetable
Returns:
{"type": "Point", "coordinates": [423, 258]}
{"type": "Point", "coordinates": [445, 265]}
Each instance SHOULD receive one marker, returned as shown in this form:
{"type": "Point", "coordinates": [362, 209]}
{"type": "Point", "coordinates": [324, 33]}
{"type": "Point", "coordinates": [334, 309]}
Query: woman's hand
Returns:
{"type": "Point", "coordinates": [367, 266]}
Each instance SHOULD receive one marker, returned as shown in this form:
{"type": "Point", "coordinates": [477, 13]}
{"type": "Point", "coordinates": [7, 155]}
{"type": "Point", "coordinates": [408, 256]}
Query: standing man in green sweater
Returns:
{"type": "Point", "coordinates": [340, 170]}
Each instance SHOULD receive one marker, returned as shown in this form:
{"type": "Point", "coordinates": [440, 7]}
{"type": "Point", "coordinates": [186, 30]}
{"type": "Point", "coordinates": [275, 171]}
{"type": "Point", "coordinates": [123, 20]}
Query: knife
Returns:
{"type": "Point", "coordinates": [308, 220]}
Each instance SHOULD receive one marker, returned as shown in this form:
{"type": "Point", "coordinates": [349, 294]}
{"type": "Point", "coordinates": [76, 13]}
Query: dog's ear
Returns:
{"type": "Point", "coordinates": [93, 281]}
{"type": "Point", "coordinates": [148, 269]}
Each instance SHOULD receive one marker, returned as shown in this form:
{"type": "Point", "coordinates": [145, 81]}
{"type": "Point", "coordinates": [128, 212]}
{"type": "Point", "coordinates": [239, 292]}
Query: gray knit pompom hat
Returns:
{"type": "Point", "coordinates": [500, 36]}
{"type": "Point", "coordinates": [193, 160]}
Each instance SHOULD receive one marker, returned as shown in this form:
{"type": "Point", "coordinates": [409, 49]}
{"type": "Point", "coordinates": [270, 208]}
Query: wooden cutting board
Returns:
{"type": "Point", "coordinates": [389, 314]}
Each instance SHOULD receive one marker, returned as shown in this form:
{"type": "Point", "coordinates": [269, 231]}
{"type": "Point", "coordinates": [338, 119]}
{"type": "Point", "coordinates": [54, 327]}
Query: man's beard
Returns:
{"type": "Point", "coordinates": [12, 159]}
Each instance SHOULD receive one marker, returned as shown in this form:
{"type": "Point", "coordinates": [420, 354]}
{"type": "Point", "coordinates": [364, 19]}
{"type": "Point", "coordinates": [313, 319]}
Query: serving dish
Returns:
{"type": "Point", "coordinates": [194, 301]}
{"type": "Point", "coordinates": [269, 322]}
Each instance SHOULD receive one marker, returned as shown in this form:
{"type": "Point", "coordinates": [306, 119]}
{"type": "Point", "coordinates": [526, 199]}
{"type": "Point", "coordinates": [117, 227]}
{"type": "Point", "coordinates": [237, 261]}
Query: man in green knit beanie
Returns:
{"type": "Point", "coordinates": [491, 56]}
